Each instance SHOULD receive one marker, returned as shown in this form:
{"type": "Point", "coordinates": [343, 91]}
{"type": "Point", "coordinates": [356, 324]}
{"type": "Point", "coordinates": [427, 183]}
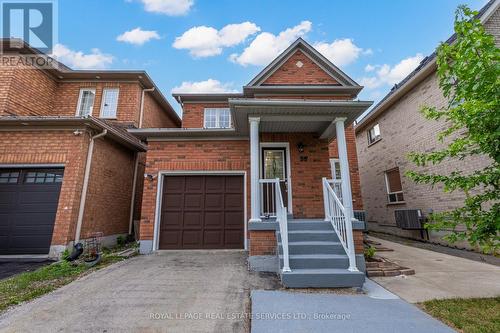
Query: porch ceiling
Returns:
{"type": "Point", "coordinates": [304, 116]}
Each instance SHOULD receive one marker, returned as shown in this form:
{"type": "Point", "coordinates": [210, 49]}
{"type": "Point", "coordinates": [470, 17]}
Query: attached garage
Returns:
{"type": "Point", "coordinates": [202, 212]}
{"type": "Point", "coordinates": [28, 206]}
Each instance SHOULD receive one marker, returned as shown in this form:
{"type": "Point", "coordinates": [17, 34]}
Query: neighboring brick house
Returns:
{"type": "Point", "coordinates": [395, 127]}
{"type": "Point", "coordinates": [212, 183]}
{"type": "Point", "coordinates": [67, 162]}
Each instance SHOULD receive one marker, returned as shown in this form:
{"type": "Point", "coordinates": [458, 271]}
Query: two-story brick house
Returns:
{"type": "Point", "coordinates": [68, 166]}
{"type": "Point", "coordinates": [245, 167]}
{"type": "Point", "coordinates": [394, 128]}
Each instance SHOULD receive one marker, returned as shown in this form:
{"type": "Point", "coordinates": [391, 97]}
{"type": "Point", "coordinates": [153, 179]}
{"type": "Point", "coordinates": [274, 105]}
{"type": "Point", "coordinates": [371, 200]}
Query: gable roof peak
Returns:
{"type": "Point", "coordinates": [313, 54]}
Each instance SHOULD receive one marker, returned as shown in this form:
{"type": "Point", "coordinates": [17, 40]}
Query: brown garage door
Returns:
{"type": "Point", "coordinates": [28, 206]}
{"type": "Point", "coordinates": [202, 212]}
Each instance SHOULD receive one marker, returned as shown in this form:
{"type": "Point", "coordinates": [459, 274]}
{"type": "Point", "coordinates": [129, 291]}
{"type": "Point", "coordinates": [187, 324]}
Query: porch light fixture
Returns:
{"type": "Point", "coordinates": [300, 147]}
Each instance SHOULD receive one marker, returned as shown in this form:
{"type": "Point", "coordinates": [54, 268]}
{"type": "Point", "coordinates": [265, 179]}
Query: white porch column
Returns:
{"type": "Point", "coordinates": [254, 170]}
{"type": "Point", "coordinates": [346, 188]}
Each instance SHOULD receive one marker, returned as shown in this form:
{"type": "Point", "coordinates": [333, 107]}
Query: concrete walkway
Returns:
{"type": "Point", "coordinates": [438, 275]}
{"type": "Point", "coordinates": [284, 311]}
{"type": "Point", "coordinates": [177, 291]}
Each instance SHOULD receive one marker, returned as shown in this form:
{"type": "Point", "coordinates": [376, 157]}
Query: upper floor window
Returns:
{"type": "Point", "coordinates": [374, 134]}
{"type": "Point", "coordinates": [217, 118]}
{"type": "Point", "coordinates": [393, 185]}
{"type": "Point", "coordinates": [85, 102]}
{"type": "Point", "coordinates": [109, 102]}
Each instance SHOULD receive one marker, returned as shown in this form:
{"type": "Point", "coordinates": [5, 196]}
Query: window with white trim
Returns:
{"type": "Point", "coordinates": [393, 185]}
{"type": "Point", "coordinates": [335, 166]}
{"type": "Point", "coordinates": [217, 118]}
{"type": "Point", "coordinates": [85, 102]}
{"type": "Point", "coordinates": [374, 134]}
{"type": "Point", "coordinates": [109, 102]}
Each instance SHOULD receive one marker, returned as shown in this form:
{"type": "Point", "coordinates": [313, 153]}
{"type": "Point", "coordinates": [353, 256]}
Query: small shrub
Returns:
{"type": "Point", "coordinates": [370, 252]}
{"type": "Point", "coordinates": [121, 240]}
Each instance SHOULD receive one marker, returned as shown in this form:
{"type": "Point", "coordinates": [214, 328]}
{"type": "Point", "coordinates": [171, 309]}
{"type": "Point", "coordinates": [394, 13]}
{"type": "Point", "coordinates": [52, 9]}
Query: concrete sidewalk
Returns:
{"type": "Point", "coordinates": [438, 275]}
{"type": "Point", "coordinates": [283, 311]}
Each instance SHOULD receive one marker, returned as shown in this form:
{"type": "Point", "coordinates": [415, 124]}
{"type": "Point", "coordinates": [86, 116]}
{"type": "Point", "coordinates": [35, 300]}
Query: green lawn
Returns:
{"type": "Point", "coordinates": [26, 286]}
{"type": "Point", "coordinates": [473, 315]}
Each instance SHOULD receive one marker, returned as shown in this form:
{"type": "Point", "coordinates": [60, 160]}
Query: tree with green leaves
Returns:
{"type": "Point", "coordinates": [468, 69]}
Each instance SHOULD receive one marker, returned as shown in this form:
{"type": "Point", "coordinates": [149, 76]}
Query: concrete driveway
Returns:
{"type": "Point", "coordinates": [438, 275]}
{"type": "Point", "coordinates": [175, 291]}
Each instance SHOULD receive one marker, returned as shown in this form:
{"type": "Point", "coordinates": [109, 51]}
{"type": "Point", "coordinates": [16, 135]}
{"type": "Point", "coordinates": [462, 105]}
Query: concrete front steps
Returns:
{"type": "Point", "coordinates": [317, 258]}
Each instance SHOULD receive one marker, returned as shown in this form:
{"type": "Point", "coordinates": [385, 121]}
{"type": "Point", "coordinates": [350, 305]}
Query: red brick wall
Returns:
{"type": "Point", "coordinates": [353, 165]}
{"type": "Point", "coordinates": [52, 147]}
{"type": "Point", "coordinates": [154, 116]}
{"type": "Point", "coordinates": [109, 192]}
{"type": "Point", "coordinates": [192, 155]}
{"type": "Point", "coordinates": [307, 189]}
{"type": "Point", "coordinates": [262, 242]}
{"type": "Point", "coordinates": [193, 113]}
{"type": "Point", "coordinates": [25, 91]}
{"type": "Point", "coordinates": [67, 94]}
{"type": "Point", "coordinates": [309, 73]}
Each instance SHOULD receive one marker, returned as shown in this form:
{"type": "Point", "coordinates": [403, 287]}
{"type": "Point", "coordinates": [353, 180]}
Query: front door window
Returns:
{"type": "Point", "coordinates": [273, 166]}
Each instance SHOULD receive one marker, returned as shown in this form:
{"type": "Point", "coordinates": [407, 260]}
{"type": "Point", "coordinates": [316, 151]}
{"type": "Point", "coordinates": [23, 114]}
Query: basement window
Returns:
{"type": "Point", "coordinates": [109, 103]}
{"type": "Point", "coordinates": [374, 134]}
{"type": "Point", "coordinates": [85, 102]}
{"type": "Point", "coordinates": [217, 118]}
{"type": "Point", "coordinates": [394, 187]}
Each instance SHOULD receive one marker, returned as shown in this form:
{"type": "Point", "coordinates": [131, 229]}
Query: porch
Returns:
{"type": "Point", "coordinates": [312, 234]}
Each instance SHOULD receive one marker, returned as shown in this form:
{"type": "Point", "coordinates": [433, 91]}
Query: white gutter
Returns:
{"type": "Point", "coordinates": [132, 201]}
{"type": "Point", "coordinates": [141, 114]}
{"type": "Point", "coordinates": [86, 184]}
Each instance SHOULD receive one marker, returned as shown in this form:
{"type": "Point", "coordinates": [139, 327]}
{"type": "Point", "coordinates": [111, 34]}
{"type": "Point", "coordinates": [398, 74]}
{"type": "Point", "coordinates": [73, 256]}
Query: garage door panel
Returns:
{"type": "Point", "coordinates": [28, 210]}
{"type": "Point", "coordinates": [193, 201]}
{"type": "Point", "coordinates": [234, 202]}
{"type": "Point", "coordinates": [214, 220]}
{"type": "Point", "coordinates": [172, 202]}
{"type": "Point", "coordinates": [191, 238]}
{"type": "Point", "coordinates": [234, 238]}
{"type": "Point", "coordinates": [171, 220]}
{"type": "Point", "coordinates": [193, 220]}
{"type": "Point", "coordinates": [194, 184]}
{"type": "Point", "coordinates": [211, 215]}
{"type": "Point", "coordinates": [213, 239]}
{"type": "Point", "coordinates": [214, 201]}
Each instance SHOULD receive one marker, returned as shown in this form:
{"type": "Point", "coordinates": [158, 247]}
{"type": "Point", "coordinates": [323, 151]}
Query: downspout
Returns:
{"type": "Point", "coordinates": [132, 201]}
{"type": "Point", "coordinates": [86, 184]}
{"type": "Point", "coordinates": [141, 114]}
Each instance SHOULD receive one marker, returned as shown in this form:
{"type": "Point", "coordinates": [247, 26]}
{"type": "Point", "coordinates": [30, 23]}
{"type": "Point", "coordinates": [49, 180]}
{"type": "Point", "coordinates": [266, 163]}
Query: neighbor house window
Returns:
{"type": "Point", "coordinates": [109, 103]}
{"type": "Point", "coordinates": [217, 118]}
{"type": "Point", "coordinates": [374, 134]}
{"type": "Point", "coordinates": [393, 185]}
{"type": "Point", "coordinates": [85, 102]}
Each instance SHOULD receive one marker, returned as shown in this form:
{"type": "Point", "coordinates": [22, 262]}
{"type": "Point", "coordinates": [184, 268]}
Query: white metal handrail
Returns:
{"type": "Point", "coordinates": [282, 218]}
{"type": "Point", "coordinates": [341, 220]}
{"type": "Point", "coordinates": [267, 197]}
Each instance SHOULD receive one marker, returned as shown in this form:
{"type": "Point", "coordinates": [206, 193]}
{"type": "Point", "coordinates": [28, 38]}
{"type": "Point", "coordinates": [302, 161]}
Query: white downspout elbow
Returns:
{"type": "Point", "coordinates": [86, 184]}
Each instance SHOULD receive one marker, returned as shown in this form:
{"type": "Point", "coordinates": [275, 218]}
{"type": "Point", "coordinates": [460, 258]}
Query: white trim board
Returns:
{"type": "Point", "coordinates": [285, 145]}
{"type": "Point", "coordinates": [159, 191]}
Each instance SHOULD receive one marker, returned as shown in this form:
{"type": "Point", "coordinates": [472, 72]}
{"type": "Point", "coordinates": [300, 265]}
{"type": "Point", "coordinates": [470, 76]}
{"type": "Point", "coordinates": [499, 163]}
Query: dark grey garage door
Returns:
{"type": "Point", "coordinates": [28, 206]}
{"type": "Point", "coordinates": [202, 212]}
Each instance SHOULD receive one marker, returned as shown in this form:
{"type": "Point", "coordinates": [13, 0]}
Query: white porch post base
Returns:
{"type": "Point", "coordinates": [254, 170]}
{"type": "Point", "coordinates": [346, 189]}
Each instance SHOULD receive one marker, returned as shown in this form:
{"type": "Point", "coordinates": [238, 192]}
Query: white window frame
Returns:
{"type": "Point", "coordinates": [334, 161]}
{"type": "Point", "coordinates": [395, 193]}
{"type": "Point", "coordinates": [218, 112]}
{"type": "Point", "coordinates": [82, 90]}
{"type": "Point", "coordinates": [377, 138]}
{"type": "Point", "coordinates": [103, 100]}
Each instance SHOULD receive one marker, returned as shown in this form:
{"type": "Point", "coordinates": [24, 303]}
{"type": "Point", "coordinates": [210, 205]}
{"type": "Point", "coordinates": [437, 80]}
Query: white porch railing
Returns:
{"type": "Point", "coordinates": [272, 205]}
{"type": "Point", "coordinates": [341, 220]}
{"type": "Point", "coordinates": [336, 185]}
{"type": "Point", "coordinates": [268, 197]}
